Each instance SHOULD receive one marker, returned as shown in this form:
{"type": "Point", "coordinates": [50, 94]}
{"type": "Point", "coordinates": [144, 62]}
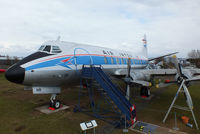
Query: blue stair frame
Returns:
{"type": "Point", "coordinates": [115, 94]}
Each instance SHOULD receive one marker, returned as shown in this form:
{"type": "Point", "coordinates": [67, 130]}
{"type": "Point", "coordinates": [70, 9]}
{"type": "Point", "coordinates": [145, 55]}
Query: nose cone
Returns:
{"type": "Point", "coordinates": [15, 74]}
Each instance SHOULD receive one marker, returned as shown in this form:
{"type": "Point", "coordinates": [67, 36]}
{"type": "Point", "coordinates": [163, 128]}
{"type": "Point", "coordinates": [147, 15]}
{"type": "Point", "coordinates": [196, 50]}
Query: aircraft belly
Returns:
{"type": "Point", "coordinates": [48, 77]}
{"type": "Point", "coordinates": [62, 76]}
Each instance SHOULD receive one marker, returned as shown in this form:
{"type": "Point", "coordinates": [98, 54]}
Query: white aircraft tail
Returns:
{"type": "Point", "coordinates": [144, 49]}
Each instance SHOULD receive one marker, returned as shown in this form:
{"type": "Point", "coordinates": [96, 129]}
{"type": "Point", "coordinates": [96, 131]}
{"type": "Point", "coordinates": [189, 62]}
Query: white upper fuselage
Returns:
{"type": "Point", "coordinates": [59, 68]}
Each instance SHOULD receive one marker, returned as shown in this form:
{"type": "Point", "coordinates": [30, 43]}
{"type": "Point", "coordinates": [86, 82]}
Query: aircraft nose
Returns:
{"type": "Point", "coordinates": [15, 74]}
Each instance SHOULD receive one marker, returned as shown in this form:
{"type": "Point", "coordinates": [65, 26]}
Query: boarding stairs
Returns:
{"type": "Point", "coordinates": [114, 94]}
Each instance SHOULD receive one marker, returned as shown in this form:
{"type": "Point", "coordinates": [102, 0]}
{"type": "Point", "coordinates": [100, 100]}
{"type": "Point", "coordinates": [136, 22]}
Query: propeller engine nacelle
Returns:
{"type": "Point", "coordinates": [140, 76]}
{"type": "Point", "coordinates": [186, 74]}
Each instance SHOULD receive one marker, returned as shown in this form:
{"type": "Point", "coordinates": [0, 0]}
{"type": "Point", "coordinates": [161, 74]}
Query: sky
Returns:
{"type": "Point", "coordinates": [170, 25]}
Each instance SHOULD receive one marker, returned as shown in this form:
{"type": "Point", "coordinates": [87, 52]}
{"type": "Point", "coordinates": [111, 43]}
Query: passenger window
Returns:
{"type": "Point", "coordinates": [126, 60]}
{"type": "Point", "coordinates": [105, 60]}
{"type": "Point", "coordinates": [122, 60]}
{"type": "Point", "coordinates": [133, 61]}
{"type": "Point", "coordinates": [136, 61]}
{"type": "Point", "coordinates": [129, 61]}
{"type": "Point", "coordinates": [112, 61]}
{"type": "Point", "coordinates": [117, 59]}
{"type": "Point", "coordinates": [47, 48]}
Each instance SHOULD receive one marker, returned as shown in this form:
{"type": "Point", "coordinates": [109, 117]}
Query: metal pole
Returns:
{"type": "Point", "coordinates": [190, 105]}
{"type": "Point", "coordinates": [125, 130]}
{"type": "Point", "coordinates": [175, 127]}
{"type": "Point", "coordinates": [194, 119]}
{"type": "Point", "coordinates": [175, 120]}
{"type": "Point", "coordinates": [128, 92]}
{"type": "Point", "coordinates": [125, 121]}
{"type": "Point", "coordinates": [173, 101]}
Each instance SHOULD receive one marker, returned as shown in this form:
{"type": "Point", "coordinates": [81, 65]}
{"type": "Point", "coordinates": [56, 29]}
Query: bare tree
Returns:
{"type": "Point", "coordinates": [194, 54]}
{"type": "Point", "coordinates": [194, 57]}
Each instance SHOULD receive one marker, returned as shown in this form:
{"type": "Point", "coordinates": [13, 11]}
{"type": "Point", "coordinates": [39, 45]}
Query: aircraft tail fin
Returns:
{"type": "Point", "coordinates": [144, 49]}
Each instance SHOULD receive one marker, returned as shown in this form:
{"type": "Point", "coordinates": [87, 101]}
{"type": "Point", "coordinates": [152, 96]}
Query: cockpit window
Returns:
{"type": "Point", "coordinates": [50, 49]}
{"type": "Point", "coordinates": [56, 49]}
{"type": "Point", "coordinates": [47, 48]}
{"type": "Point", "coordinates": [41, 48]}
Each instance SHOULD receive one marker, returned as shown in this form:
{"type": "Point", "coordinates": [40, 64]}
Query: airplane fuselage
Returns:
{"type": "Point", "coordinates": [58, 63]}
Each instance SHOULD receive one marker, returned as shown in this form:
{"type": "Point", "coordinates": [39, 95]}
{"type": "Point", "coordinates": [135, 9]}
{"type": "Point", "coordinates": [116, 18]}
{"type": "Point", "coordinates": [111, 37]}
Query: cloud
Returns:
{"type": "Point", "coordinates": [170, 25]}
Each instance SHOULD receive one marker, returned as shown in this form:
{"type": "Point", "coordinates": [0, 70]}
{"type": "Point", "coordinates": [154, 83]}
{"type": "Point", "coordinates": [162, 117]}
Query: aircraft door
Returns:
{"type": "Point", "coordinates": [82, 57]}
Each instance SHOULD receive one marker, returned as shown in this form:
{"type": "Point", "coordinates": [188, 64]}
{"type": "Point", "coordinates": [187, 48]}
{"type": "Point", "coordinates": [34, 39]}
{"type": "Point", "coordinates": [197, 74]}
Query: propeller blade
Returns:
{"type": "Point", "coordinates": [197, 78]}
{"type": "Point", "coordinates": [188, 97]}
{"type": "Point", "coordinates": [177, 65]}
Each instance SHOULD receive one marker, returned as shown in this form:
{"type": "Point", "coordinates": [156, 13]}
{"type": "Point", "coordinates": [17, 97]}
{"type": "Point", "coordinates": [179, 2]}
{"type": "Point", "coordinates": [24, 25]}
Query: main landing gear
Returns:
{"type": "Point", "coordinates": [53, 102]}
{"type": "Point", "coordinates": [144, 92]}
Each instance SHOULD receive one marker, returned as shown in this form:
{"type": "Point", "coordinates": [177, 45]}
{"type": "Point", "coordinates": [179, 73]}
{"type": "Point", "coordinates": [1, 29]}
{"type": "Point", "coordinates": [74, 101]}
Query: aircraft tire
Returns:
{"type": "Point", "coordinates": [57, 104]}
{"type": "Point", "coordinates": [144, 91]}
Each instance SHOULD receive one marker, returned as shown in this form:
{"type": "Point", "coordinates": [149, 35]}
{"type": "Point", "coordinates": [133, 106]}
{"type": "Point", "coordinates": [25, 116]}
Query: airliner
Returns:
{"type": "Point", "coordinates": [58, 64]}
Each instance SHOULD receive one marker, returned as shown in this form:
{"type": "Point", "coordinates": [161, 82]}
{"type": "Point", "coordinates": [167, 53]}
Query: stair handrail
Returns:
{"type": "Point", "coordinates": [118, 98]}
{"type": "Point", "coordinates": [125, 103]}
{"type": "Point", "coordinates": [118, 95]}
{"type": "Point", "coordinates": [130, 99]}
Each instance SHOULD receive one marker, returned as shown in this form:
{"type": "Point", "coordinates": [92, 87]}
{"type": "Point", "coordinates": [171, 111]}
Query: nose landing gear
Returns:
{"type": "Point", "coordinates": [54, 103]}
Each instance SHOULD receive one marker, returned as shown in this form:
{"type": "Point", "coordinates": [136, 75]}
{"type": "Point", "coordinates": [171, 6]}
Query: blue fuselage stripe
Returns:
{"type": "Point", "coordinates": [97, 60]}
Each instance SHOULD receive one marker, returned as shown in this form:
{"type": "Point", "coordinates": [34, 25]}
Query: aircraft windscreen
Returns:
{"type": "Point", "coordinates": [47, 48]}
{"type": "Point", "coordinates": [56, 49]}
{"type": "Point", "coordinates": [41, 48]}
{"type": "Point", "coordinates": [50, 49]}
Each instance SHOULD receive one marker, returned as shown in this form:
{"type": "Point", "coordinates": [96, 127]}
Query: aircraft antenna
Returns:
{"type": "Point", "coordinates": [58, 38]}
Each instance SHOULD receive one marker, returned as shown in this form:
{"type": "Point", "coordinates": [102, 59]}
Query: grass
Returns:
{"type": "Point", "coordinates": [158, 106]}
{"type": "Point", "coordinates": [17, 114]}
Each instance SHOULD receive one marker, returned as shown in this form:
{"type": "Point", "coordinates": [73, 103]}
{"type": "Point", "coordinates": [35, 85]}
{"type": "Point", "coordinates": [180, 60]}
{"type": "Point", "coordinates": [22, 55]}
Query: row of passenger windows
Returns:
{"type": "Point", "coordinates": [122, 61]}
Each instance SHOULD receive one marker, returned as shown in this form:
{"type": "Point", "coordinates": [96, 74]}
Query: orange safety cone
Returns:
{"type": "Point", "coordinates": [185, 119]}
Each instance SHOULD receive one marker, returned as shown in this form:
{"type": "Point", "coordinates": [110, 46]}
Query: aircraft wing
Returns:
{"type": "Point", "coordinates": [162, 56]}
{"type": "Point", "coordinates": [142, 76]}
{"type": "Point", "coordinates": [159, 72]}
{"type": "Point", "coordinates": [156, 72]}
